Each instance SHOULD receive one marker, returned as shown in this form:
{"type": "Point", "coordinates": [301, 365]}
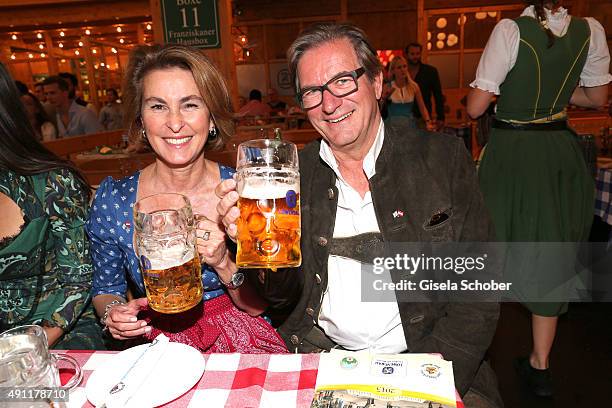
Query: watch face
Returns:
{"type": "Point", "coordinates": [237, 279]}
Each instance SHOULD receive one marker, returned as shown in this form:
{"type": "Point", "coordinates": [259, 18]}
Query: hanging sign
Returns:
{"type": "Point", "coordinates": [191, 22]}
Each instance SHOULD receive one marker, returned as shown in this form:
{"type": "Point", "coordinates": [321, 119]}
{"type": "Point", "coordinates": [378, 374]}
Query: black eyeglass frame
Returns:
{"type": "Point", "coordinates": [355, 74]}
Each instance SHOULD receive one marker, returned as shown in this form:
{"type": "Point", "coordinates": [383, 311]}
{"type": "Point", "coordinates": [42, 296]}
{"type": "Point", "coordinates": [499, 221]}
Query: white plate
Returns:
{"type": "Point", "coordinates": [178, 370]}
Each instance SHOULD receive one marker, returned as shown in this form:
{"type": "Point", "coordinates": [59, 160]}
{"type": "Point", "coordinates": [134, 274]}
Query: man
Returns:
{"type": "Point", "coordinates": [73, 85]}
{"type": "Point", "coordinates": [111, 114]}
{"type": "Point", "coordinates": [255, 107]}
{"type": "Point", "coordinates": [429, 81]}
{"type": "Point", "coordinates": [276, 105]}
{"type": "Point", "coordinates": [72, 119]}
{"type": "Point", "coordinates": [369, 180]}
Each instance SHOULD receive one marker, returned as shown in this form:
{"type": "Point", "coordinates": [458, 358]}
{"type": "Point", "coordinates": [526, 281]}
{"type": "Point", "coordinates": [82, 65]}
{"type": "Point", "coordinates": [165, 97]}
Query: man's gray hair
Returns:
{"type": "Point", "coordinates": [322, 33]}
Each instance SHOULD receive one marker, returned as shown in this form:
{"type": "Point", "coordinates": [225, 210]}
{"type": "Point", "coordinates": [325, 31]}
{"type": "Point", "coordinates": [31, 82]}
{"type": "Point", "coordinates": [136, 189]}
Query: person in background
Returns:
{"type": "Point", "coordinates": [403, 94]}
{"type": "Point", "coordinates": [177, 101]}
{"type": "Point", "coordinates": [72, 118]}
{"type": "Point", "coordinates": [40, 92]}
{"type": "Point", "coordinates": [111, 114]}
{"type": "Point", "coordinates": [533, 175]}
{"type": "Point", "coordinates": [73, 86]}
{"type": "Point", "coordinates": [44, 129]}
{"type": "Point", "coordinates": [277, 106]}
{"type": "Point", "coordinates": [255, 107]}
{"type": "Point", "coordinates": [360, 162]}
{"type": "Point", "coordinates": [45, 263]}
{"type": "Point", "coordinates": [426, 76]}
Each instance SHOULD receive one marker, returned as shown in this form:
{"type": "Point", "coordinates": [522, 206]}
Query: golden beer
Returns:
{"type": "Point", "coordinates": [269, 223]}
{"type": "Point", "coordinates": [176, 288]}
{"type": "Point", "coordinates": [166, 247]}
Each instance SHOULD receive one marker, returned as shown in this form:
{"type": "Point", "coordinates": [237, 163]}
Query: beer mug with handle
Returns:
{"type": "Point", "coordinates": [268, 184]}
{"type": "Point", "coordinates": [165, 242]}
{"type": "Point", "coordinates": [25, 360]}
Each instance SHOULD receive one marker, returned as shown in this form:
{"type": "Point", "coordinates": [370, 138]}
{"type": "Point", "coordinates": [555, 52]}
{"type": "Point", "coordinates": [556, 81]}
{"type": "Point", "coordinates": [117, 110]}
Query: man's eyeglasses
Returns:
{"type": "Point", "coordinates": [341, 85]}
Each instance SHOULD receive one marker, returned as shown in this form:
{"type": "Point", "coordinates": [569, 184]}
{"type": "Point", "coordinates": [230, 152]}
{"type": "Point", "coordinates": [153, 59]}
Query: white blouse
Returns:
{"type": "Point", "coordinates": [500, 54]}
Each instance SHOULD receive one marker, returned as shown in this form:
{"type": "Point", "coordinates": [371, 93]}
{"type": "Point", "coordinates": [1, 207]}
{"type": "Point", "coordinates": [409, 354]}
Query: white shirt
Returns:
{"type": "Point", "coordinates": [348, 321]}
{"type": "Point", "coordinates": [500, 54]}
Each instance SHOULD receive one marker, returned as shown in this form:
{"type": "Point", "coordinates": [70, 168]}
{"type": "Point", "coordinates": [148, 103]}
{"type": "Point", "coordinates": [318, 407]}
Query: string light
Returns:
{"type": "Point", "coordinates": [102, 64]}
{"type": "Point", "coordinates": [14, 36]}
{"type": "Point", "coordinates": [62, 34]}
{"type": "Point", "coordinates": [480, 15]}
{"type": "Point", "coordinates": [87, 32]}
{"type": "Point", "coordinates": [42, 54]}
{"type": "Point", "coordinates": [30, 55]}
{"type": "Point", "coordinates": [40, 46]}
{"type": "Point", "coordinates": [13, 56]}
{"type": "Point", "coordinates": [243, 39]}
{"type": "Point", "coordinates": [39, 36]}
{"type": "Point", "coordinates": [80, 43]}
{"type": "Point", "coordinates": [60, 45]}
{"type": "Point", "coordinates": [76, 52]}
{"type": "Point", "coordinates": [63, 61]}
{"type": "Point", "coordinates": [119, 29]}
{"type": "Point", "coordinates": [121, 40]}
{"type": "Point", "coordinates": [114, 50]}
{"type": "Point", "coordinates": [94, 51]}
{"type": "Point", "coordinates": [148, 26]}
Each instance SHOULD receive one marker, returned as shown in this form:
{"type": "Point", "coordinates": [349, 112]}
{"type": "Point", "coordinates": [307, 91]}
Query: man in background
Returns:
{"type": "Point", "coordinates": [429, 81]}
{"type": "Point", "coordinates": [255, 107]}
{"type": "Point", "coordinates": [72, 118]}
{"type": "Point", "coordinates": [111, 114]}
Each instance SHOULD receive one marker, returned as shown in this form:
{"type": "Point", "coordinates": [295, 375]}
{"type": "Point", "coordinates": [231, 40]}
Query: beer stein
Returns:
{"type": "Point", "coordinates": [268, 184]}
{"type": "Point", "coordinates": [165, 242]}
{"type": "Point", "coordinates": [25, 360]}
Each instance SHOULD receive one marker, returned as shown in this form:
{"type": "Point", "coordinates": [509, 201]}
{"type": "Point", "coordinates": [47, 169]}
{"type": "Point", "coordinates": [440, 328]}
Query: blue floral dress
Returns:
{"type": "Point", "coordinates": [110, 228]}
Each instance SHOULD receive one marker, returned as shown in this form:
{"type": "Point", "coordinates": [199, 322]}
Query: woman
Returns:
{"type": "Point", "coordinates": [533, 175]}
{"type": "Point", "coordinates": [45, 264]}
{"type": "Point", "coordinates": [177, 101]}
{"type": "Point", "coordinates": [44, 129]}
{"type": "Point", "coordinates": [402, 95]}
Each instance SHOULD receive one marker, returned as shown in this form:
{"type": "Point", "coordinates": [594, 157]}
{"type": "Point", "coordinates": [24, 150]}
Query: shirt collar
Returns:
{"type": "Point", "coordinates": [557, 17]}
{"type": "Point", "coordinates": [369, 161]}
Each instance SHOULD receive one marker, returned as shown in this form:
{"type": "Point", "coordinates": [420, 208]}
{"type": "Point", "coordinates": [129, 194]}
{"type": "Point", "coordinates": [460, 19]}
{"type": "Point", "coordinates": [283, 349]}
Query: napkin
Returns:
{"type": "Point", "coordinates": [135, 376]}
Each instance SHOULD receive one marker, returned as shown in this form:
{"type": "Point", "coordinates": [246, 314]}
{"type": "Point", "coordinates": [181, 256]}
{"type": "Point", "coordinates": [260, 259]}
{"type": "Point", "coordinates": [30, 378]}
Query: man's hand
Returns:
{"type": "Point", "coordinates": [227, 209]}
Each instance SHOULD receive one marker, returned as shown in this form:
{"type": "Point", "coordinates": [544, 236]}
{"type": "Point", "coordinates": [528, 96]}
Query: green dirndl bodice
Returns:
{"type": "Point", "coordinates": [535, 183]}
{"type": "Point", "coordinates": [35, 286]}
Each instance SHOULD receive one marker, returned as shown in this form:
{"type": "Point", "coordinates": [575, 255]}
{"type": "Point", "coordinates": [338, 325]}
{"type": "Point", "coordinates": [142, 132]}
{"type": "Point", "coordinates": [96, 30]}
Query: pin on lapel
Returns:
{"type": "Point", "coordinates": [398, 213]}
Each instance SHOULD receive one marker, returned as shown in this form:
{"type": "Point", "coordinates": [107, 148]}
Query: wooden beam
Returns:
{"type": "Point", "coordinates": [52, 63]}
{"type": "Point", "coordinates": [91, 73]}
{"type": "Point", "coordinates": [422, 25]}
{"type": "Point", "coordinates": [66, 15]}
{"type": "Point", "coordinates": [343, 10]}
{"type": "Point", "coordinates": [158, 24]}
{"type": "Point", "coordinates": [30, 3]}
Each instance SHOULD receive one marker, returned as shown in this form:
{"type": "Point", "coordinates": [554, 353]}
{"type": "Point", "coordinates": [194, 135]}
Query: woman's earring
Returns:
{"type": "Point", "coordinates": [144, 135]}
{"type": "Point", "coordinates": [213, 133]}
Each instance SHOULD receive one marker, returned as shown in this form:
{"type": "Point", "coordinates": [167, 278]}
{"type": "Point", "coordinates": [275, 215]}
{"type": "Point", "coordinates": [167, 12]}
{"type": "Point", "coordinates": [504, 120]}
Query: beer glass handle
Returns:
{"type": "Point", "coordinates": [78, 375]}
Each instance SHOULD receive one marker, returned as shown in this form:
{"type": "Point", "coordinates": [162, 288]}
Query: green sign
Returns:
{"type": "Point", "coordinates": [191, 22]}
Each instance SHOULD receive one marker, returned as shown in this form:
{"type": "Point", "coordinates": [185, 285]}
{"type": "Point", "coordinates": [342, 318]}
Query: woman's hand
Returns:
{"type": "Point", "coordinates": [227, 208]}
{"type": "Point", "coordinates": [210, 240]}
{"type": "Point", "coordinates": [122, 322]}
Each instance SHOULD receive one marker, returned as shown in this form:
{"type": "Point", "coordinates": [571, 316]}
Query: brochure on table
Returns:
{"type": "Point", "coordinates": [347, 378]}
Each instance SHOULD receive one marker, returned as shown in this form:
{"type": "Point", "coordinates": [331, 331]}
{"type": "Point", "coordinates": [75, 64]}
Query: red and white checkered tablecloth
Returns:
{"type": "Point", "coordinates": [230, 380]}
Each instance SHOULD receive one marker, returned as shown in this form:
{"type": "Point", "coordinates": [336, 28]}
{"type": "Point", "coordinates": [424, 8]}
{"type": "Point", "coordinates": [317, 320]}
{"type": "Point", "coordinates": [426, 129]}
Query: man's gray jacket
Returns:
{"type": "Point", "coordinates": [423, 175]}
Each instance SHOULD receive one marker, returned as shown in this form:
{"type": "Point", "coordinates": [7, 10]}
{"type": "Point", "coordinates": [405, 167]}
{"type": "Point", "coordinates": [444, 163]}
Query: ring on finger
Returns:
{"type": "Point", "coordinates": [206, 235]}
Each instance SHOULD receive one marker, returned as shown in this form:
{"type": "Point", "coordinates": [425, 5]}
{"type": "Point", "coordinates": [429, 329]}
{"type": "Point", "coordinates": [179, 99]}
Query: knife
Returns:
{"type": "Point", "coordinates": [114, 396]}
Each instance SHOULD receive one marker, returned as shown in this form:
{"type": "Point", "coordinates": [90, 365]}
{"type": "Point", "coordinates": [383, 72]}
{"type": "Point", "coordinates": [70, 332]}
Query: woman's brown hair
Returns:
{"type": "Point", "coordinates": [210, 83]}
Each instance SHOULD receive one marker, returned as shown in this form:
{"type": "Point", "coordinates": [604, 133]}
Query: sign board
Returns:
{"type": "Point", "coordinates": [191, 22]}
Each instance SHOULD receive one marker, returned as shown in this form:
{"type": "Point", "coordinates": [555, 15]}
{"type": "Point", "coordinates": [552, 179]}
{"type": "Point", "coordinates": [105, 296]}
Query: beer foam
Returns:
{"type": "Point", "coordinates": [260, 188]}
{"type": "Point", "coordinates": [170, 257]}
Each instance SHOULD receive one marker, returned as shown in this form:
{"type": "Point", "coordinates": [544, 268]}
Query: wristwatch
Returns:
{"type": "Point", "coordinates": [235, 281]}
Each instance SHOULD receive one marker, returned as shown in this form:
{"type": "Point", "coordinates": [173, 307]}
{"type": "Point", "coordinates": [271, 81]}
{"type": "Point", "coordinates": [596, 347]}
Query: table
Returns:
{"type": "Point", "coordinates": [230, 380]}
{"type": "Point", "coordinates": [603, 198]}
